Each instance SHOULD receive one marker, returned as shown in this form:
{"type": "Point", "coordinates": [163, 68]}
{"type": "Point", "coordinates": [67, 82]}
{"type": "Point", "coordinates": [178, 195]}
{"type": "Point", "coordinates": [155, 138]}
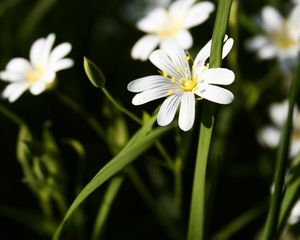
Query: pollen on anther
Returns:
{"type": "Point", "coordinates": [187, 58]}
{"type": "Point", "coordinates": [170, 92]}
{"type": "Point", "coordinates": [178, 69]}
{"type": "Point", "coordinates": [173, 79]}
{"type": "Point", "coordinates": [164, 73]}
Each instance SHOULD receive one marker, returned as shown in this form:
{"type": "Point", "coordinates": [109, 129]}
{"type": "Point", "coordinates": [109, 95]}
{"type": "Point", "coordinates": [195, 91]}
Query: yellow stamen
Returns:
{"type": "Point", "coordinates": [189, 85]}
{"type": "Point", "coordinates": [178, 69]}
{"type": "Point", "coordinates": [170, 92]}
{"type": "Point", "coordinates": [173, 79]}
{"type": "Point", "coordinates": [164, 73]}
{"type": "Point", "coordinates": [187, 58]}
{"type": "Point", "coordinates": [35, 74]}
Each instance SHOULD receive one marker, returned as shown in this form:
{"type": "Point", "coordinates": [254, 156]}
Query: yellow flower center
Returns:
{"type": "Point", "coordinates": [170, 28]}
{"type": "Point", "coordinates": [35, 74]}
{"type": "Point", "coordinates": [189, 85]}
{"type": "Point", "coordinates": [283, 38]}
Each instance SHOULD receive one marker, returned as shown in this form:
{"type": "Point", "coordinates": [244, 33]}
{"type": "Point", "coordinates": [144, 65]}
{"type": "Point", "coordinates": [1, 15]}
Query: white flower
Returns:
{"type": "Point", "coordinates": [281, 38]}
{"type": "Point", "coordinates": [270, 135]}
{"type": "Point", "coordinates": [38, 72]}
{"type": "Point", "coordinates": [182, 84]}
{"type": "Point", "coordinates": [164, 24]}
{"type": "Point", "coordinates": [295, 214]}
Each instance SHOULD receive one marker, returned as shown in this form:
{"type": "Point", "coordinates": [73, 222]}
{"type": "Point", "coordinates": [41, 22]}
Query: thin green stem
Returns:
{"type": "Point", "coordinates": [196, 229]}
{"type": "Point", "coordinates": [120, 107]}
{"type": "Point", "coordinates": [164, 154]}
{"type": "Point", "coordinates": [271, 226]}
{"type": "Point", "coordinates": [11, 116]}
{"type": "Point", "coordinates": [80, 111]}
{"type": "Point", "coordinates": [178, 183]}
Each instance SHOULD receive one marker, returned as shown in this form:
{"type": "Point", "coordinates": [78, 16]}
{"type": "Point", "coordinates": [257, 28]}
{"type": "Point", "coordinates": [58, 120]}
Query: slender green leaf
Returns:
{"type": "Point", "coordinates": [136, 147]}
{"type": "Point", "coordinates": [94, 73]}
{"type": "Point", "coordinates": [196, 228]}
{"type": "Point", "coordinates": [110, 194]}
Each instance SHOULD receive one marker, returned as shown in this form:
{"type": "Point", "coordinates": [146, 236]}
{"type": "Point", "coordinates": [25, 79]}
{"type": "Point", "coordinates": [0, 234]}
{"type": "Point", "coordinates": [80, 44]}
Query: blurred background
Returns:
{"type": "Point", "coordinates": [105, 31]}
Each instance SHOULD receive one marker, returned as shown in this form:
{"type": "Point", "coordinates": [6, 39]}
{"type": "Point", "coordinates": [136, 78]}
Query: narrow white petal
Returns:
{"type": "Point", "coordinates": [204, 53]}
{"type": "Point", "coordinates": [12, 76]}
{"type": "Point", "coordinates": [150, 95]}
{"type": "Point", "coordinates": [266, 52]}
{"type": "Point", "coordinates": [198, 13]}
{"type": "Point", "coordinates": [18, 65]}
{"type": "Point", "coordinates": [294, 16]}
{"type": "Point", "coordinates": [14, 90]}
{"type": "Point", "coordinates": [215, 94]}
{"type": "Point", "coordinates": [295, 214]}
{"type": "Point", "coordinates": [144, 46]}
{"type": "Point", "coordinates": [149, 82]}
{"type": "Point", "coordinates": [257, 42]}
{"type": "Point", "coordinates": [269, 136]}
{"type": "Point", "coordinates": [185, 39]}
{"type": "Point", "coordinates": [179, 8]}
{"type": "Point", "coordinates": [160, 59]}
{"type": "Point", "coordinates": [36, 51]}
{"type": "Point", "coordinates": [60, 52]}
{"type": "Point", "coordinates": [294, 148]}
{"type": "Point", "coordinates": [153, 21]}
{"type": "Point", "coordinates": [177, 54]}
{"type": "Point", "coordinates": [187, 111]}
{"type": "Point", "coordinates": [221, 76]}
{"type": "Point", "coordinates": [62, 64]}
{"type": "Point", "coordinates": [168, 109]}
{"type": "Point", "coordinates": [271, 19]}
{"type": "Point", "coordinates": [45, 55]}
{"type": "Point", "coordinates": [38, 87]}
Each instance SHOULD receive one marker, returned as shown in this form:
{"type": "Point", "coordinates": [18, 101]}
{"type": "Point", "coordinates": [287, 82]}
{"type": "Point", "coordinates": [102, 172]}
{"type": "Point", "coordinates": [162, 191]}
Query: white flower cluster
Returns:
{"type": "Point", "coordinates": [38, 72]}
{"type": "Point", "coordinates": [281, 37]}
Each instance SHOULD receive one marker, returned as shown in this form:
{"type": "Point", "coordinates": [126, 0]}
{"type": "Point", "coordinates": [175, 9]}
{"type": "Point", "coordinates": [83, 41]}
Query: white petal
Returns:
{"type": "Point", "coordinates": [18, 65]}
{"type": "Point", "coordinates": [185, 39]}
{"type": "Point", "coordinates": [38, 87]}
{"type": "Point", "coordinates": [179, 8]}
{"type": "Point", "coordinates": [221, 76]}
{"type": "Point", "coordinates": [60, 52]}
{"type": "Point", "coordinates": [271, 19]}
{"type": "Point", "coordinates": [187, 111]}
{"type": "Point", "coordinates": [295, 214]}
{"type": "Point", "coordinates": [160, 59]}
{"type": "Point", "coordinates": [204, 53]}
{"type": "Point", "coordinates": [144, 46]}
{"type": "Point", "coordinates": [12, 76]}
{"type": "Point", "coordinates": [14, 90]}
{"type": "Point", "coordinates": [198, 13]}
{"type": "Point", "coordinates": [266, 52]}
{"type": "Point", "coordinates": [62, 64]}
{"type": "Point", "coordinates": [151, 94]}
{"type": "Point", "coordinates": [278, 112]}
{"type": "Point", "coordinates": [167, 110]}
{"type": "Point", "coordinates": [177, 54]}
{"type": "Point", "coordinates": [36, 51]}
{"type": "Point", "coordinates": [149, 82]}
{"type": "Point", "coordinates": [153, 21]}
{"type": "Point", "coordinates": [215, 94]}
{"type": "Point", "coordinates": [269, 136]}
{"type": "Point", "coordinates": [294, 18]}
{"type": "Point", "coordinates": [45, 55]}
{"type": "Point", "coordinates": [48, 77]}
{"type": "Point", "coordinates": [257, 42]}
{"type": "Point", "coordinates": [294, 148]}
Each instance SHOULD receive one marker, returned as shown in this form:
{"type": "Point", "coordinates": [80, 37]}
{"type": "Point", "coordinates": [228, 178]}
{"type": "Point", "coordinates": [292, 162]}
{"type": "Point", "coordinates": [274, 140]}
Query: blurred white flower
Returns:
{"type": "Point", "coordinates": [173, 23]}
{"type": "Point", "coordinates": [295, 214]}
{"type": "Point", "coordinates": [182, 84]}
{"type": "Point", "coordinates": [270, 135]}
{"type": "Point", "coordinates": [281, 38]}
{"type": "Point", "coordinates": [38, 72]}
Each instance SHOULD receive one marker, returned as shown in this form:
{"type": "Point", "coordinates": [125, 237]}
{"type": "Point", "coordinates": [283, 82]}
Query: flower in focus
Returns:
{"type": "Point", "coordinates": [270, 135]}
{"type": "Point", "coordinates": [181, 84]}
{"type": "Point", "coordinates": [295, 214]}
{"type": "Point", "coordinates": [281, 38]}
{"type": "Point", "coordinates": [164, 24]}
{"type": "Point", "coordinates": [38, 72]}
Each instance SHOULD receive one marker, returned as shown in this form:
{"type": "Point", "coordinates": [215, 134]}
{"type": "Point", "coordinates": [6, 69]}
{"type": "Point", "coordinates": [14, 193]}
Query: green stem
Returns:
{"type": "Point", "coordinates": [178, 184]}
{"type": "Point", "coordinates": [271, 226]}
{"type": "Point", "coordinates": [11, 116]}
{"type": "Point", "coordinates": [196, 229]}
{"type": "Point", "coordinates": [120, 107]}
{"type": "Point", "coordinates": [80, 111]}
